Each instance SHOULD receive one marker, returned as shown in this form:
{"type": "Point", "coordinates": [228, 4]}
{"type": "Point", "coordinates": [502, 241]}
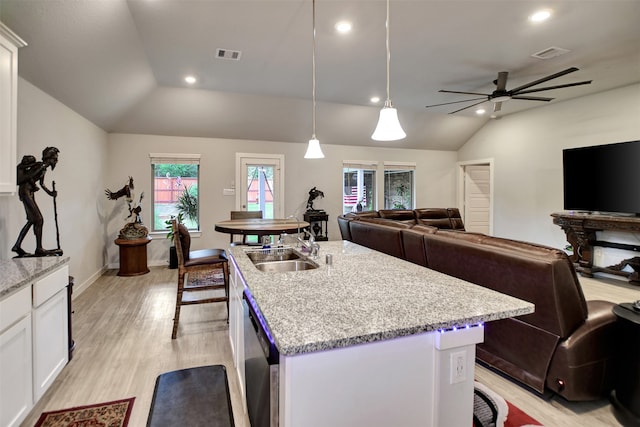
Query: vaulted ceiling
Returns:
{"type": "Point", "coordinates": [121, 64]}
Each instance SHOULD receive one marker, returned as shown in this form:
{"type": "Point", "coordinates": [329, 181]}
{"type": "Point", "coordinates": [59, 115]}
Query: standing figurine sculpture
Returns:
{"type": "Point", "coordinates": [30, 173]}
{"type": "Point", "coordinates": [134, 229]}
{"type": "Point", "coordinates": [313, 195]}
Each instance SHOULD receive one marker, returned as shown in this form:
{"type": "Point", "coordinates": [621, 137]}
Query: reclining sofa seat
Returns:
{"type": "Point", "coordinates": [567, 345]}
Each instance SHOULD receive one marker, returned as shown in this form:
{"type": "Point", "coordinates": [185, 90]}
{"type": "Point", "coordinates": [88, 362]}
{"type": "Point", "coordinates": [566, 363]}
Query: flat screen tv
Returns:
{"type": "Point", "coordinates": [603, 178]}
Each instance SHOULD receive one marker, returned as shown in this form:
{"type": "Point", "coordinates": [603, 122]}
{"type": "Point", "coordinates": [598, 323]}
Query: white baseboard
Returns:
{"type": "Point", "coordinates": [79, 288]}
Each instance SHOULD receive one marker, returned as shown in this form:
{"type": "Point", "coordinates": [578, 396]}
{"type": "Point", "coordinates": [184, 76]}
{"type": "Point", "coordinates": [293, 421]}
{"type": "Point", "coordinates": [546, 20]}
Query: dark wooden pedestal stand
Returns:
{"type": "Point", "coordinates": [133, 256]}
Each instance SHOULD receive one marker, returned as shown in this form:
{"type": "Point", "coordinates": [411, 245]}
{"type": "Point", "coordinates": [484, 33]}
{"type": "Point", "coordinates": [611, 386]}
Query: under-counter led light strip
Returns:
{"type": "Point", "coordinates": [458, 328]}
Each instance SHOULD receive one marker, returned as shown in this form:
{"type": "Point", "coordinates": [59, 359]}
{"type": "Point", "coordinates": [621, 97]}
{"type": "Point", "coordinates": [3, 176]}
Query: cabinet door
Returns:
{"type": "Point", "coordinates": [15, 371]}
{"type": "Point", "coordinates": [9, 44]}
{"type": "Point", "coordinates": [50, 342]}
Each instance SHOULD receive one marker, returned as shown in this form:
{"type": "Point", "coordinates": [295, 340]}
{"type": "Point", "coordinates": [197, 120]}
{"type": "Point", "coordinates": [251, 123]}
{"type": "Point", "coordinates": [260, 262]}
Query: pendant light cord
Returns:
{"type": "Point", "coordinates": [387, 103]}
{"type": "Point", "coordinates": [313, 73]}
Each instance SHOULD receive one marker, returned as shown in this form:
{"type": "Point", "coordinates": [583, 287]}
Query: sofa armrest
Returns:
{"type": "Point", "coordinates": [582, 367]}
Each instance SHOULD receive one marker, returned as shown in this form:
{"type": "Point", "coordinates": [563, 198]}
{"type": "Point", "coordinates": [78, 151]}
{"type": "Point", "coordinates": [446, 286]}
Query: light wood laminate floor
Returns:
{"type": "Point", "coordinates": [122, 328]}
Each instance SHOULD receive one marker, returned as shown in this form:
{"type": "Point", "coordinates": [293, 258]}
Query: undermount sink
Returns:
{"type": "Point", "coordinates": [283, 266]}
{"type": "Point", "coordinates": [279, 260]}
{"type": "Point", "coordinates": [273, 254]}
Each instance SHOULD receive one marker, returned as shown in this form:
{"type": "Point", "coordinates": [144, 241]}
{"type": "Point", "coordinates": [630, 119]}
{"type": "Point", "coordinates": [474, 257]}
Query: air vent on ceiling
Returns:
{"type": "Point", "coordinates": [233, 55]}
{"type": "Point", "coordinates": [550, 52]}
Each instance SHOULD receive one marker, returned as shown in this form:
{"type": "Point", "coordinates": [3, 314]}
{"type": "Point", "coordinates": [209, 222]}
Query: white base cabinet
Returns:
{"type": "Point", "coordinates": [16, 397]}
{"type": "Point", "coordinates": [34, 344]}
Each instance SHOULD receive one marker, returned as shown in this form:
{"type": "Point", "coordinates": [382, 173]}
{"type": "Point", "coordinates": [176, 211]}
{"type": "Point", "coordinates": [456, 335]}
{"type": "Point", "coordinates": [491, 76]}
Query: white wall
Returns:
{"type": "Point", "coordinates": [129, 155]}
{"type": "Point", "coordinates": [79, 177]}
{"type": "Point", "coordinates": [527, 152]}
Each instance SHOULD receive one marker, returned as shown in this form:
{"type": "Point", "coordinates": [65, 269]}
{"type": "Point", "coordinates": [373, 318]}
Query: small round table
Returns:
{"type": "Point", "coordinates": [260, 226]}
{"type": "Point", "coordinates": [133, 256]}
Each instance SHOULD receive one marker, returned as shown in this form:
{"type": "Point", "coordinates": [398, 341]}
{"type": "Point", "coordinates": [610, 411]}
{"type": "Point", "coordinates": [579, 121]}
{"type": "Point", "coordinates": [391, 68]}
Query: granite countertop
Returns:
{"type": "Point", "coordinates": [19, 272]}
{"type": "Point", "coordinates": [365, 296]}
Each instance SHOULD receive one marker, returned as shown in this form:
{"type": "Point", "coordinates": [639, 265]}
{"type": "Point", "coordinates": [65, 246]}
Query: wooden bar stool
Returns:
{"type": "Point", "coordinates": [204, 263]}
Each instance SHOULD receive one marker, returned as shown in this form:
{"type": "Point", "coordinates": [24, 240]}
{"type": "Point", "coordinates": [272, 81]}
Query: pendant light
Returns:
{"type": "Point", "coordinates": [313, 149]}
{"type": "Point", "coordinates": [388, 128]}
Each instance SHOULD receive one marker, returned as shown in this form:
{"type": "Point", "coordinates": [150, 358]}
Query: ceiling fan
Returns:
{"type": "Point", "coordinates": [501, 94]}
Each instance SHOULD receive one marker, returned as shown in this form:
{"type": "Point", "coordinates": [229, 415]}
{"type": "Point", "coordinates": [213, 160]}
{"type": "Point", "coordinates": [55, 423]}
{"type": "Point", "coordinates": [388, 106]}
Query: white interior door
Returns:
{"type": "Point", "coordinates": [259, 178]}
{"type": "Point", "coordinates": [477, 198]}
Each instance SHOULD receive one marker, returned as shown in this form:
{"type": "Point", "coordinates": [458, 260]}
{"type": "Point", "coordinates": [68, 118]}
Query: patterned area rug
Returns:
{"type": "Point", "coordinates": [110, 414]}
{"type": "Point", "coordinates": [491, 410]}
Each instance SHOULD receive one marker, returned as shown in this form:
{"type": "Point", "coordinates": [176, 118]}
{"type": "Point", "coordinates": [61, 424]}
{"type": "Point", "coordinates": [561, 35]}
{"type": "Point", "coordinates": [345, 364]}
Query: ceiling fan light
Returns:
{"type": "Point", "coordinates": [500, 99]}
{"type": "Point", "coordinates": [313, 150]}
{"type": "Point", "coordinates": [388, 128]}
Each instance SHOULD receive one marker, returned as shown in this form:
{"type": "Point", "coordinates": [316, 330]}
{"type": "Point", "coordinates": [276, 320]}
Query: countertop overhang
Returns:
{"type": "Point", "coordinates": [19, 272]}
{"type": "Point", "coordinates": [365, 296]}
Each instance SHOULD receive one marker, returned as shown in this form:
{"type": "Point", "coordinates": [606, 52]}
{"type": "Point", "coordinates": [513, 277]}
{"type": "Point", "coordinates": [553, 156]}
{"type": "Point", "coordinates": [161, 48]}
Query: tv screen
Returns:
{"type": "Point", "coordinates": [603, 178]}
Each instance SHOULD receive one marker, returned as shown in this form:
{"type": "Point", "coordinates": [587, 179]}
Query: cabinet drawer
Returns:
{"type": "Point", "coordinates": [49, 285]}
{"type": "Point", "coordinates": [15, 307]}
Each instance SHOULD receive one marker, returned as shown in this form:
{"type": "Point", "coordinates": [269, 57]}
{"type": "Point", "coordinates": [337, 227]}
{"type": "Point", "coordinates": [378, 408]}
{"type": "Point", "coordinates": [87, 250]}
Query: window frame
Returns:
{"type": "Point", "coordinates": [172, 158]}
{"type": "Point", "coordinates": [392, 166]}
{"type": "Point", "coordinates": [364, 165]}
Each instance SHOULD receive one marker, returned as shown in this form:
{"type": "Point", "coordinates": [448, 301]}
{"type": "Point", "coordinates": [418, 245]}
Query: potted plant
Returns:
{"type": "Point", "coordinates": [187, 207]}
{"type": "Point", "coordinates": [173, 256]}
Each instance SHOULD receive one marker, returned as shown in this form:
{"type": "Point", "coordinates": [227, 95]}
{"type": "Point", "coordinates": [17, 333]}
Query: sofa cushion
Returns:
{"type": "Point", "coordinates": [401, 215]}
{"type": "Point", "coordinates": [435, 217]}
{"type": "Point", "coordinates": [547, 281]}
{"type": "Point", "coordinates": [455, 218]}
{"type": "Point", "coordinates": [379, 234]}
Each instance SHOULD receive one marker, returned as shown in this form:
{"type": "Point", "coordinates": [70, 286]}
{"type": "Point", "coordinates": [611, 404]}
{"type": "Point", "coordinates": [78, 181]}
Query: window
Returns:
{"type": "Point", "coordinates": [398, 185]}
{"type": "Point", "coordinates": [359, 186]}
{"type": "Point", "coordinates": [175, 189]}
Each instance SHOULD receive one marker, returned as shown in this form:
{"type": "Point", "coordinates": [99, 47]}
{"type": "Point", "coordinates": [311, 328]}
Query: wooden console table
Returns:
{"type": "Point", "coordinates": [581, 229]}
{"type": "Point", "coordinates": [133, 256]}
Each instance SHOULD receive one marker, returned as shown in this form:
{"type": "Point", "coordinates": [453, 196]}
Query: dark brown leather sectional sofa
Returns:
{"type": "Point", "coordinates": [567, 346]}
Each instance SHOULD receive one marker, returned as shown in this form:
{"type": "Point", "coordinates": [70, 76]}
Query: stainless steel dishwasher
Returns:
{"type": "Point", "coordinates": [261, 365]}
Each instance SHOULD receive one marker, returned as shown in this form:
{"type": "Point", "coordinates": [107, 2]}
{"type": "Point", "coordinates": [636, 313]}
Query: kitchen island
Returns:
{"type": "Point", "coordinates": [370, 340]}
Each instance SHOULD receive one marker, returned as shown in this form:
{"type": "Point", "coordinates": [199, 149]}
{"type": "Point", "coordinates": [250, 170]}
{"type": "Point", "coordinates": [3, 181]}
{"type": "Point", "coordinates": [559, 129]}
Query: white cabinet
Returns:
{"type": "Point", "coordinates": [50, 330]}
{"type": "Point", "coordinates": [15, 358]}
{"type": "Point", "coordinates": [9, 44]}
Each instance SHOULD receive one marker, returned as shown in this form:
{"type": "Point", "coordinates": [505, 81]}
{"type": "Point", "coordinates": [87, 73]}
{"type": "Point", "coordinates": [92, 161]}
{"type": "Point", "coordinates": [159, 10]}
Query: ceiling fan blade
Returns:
{"type": "Point", "coordinates": [497, 107]}
{"type": "Point", "coordinates": [468, 106]}
{"type": "Point", "coordinates": [532, 98]}
{"type": "Point", "coordinates": [501, 83]}
{"type": "Point", "coordinates": [586, 82]}
{"type": "Point", "coordinates": [456, 102]}
{"type": "Point", "coordinates": [463, 93]}
{"type": "Point", "coordinates": [544, 79]}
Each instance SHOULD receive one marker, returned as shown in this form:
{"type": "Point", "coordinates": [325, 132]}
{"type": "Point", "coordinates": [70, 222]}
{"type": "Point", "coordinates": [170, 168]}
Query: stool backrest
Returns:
{"type": "Point", "coordinates": [245, 214]}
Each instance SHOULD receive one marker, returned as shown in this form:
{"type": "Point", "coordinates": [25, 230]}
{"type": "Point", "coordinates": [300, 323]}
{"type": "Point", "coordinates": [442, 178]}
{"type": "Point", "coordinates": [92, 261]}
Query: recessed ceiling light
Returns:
{"type": "Point", "coordinates": [540, 16]}
{"type": "Point", "coordinates": [343, 27]}
{"type": "Point", "coordinates": [480, 111]}
{"type": "Point", "coordinates": [375, 99]}
{"type": "Point", "coordinates": [190, 79]}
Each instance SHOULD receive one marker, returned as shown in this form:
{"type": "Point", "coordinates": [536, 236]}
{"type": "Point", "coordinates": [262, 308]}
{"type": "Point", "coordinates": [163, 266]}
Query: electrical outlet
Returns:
{"type": "Point", "coordinates": [458, 364]}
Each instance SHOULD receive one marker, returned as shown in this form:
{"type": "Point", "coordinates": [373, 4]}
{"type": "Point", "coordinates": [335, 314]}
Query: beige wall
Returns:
{"type": "Point", "coordinates": [129, 155]}
{"type": "Point", "coordinates": [526, 149]}
{"type": "Point", "coordinates": [527, 152]}
{"type": "Point", "coordinates": [79, 177]}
